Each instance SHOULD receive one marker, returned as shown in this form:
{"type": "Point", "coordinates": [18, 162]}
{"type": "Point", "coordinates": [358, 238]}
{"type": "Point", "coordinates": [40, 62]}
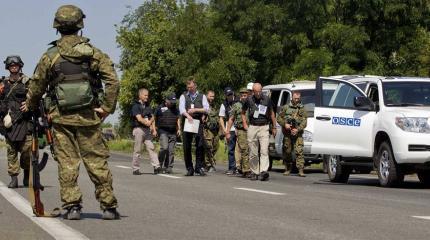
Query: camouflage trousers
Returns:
{"type": "Point", "coordinates": [23, 148]}
{"type": "Point", "coordinates": [296, 144]}
{"type": "Point", "coordinates": [76, 143]}
{"type": "Point", "coordinates": [211, 147]}
{"type": "Point", "coordinates": [242, 144]}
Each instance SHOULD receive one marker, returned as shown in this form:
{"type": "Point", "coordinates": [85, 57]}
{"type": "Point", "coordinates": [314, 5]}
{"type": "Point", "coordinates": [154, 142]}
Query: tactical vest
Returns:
{"type": "Point", "coordinates": [198, 103]}
{"type": "Point", "coordinates": [73, 87]}
{"type": "Point", "coordinates": [227, 107]}
{"type": "Point", "coordinates": [237, 108]}
{"type": "Point", "coordinates": [13, 96]}
{"type": "Point", "coordinates": [293, 113]}
{"type": "Point", "coordinates": [253, 106]}
{"type": "Point", "coordinates": [212, 121]}
{"type": "Point", "coordinates": [167, 118]}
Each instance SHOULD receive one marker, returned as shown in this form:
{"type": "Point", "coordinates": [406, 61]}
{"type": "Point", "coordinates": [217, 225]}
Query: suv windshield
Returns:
{"type": "Point", "coordinates": [406, 93]}
{"type": "Point", "coordinates": [308, 101]}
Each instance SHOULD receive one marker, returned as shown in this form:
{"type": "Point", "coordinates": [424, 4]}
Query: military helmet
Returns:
{"type": "Point", "coordinates": [13, 59]}
{"type": "Point", "coordinates": [69, 18]}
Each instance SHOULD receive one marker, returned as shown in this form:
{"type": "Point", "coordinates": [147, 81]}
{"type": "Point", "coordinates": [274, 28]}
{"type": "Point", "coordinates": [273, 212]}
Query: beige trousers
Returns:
{"type": "Point", "coordinates": [258, 139]}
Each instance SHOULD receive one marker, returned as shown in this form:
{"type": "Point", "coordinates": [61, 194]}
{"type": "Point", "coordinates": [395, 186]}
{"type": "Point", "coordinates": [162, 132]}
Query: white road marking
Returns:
{"type": "Point", "coordinates": [422, 217]}
{"type": "Point", "coordinates": [120, 166]}
{"type": "Point", "coordinates": [259, 191]}
{"type": "Point", "coordinates": [169, 176]}
{"type": "Point", "coordinates": [52, 226]}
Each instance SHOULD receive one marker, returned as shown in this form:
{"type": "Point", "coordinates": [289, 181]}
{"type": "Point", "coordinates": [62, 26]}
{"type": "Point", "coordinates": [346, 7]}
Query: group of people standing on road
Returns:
{"type": "Point", "coordinates": [245, 121]}
{"type": "Point", "coordinates": [79, 86]}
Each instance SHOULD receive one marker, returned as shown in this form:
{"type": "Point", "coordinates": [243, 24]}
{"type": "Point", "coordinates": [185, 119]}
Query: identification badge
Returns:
{"type": "Point", "coordinates": [192, 105]}
{"type": "Point", "coordinates": [262, 109]}
{"type": "Point", "coordinates": [256, 114]}
{"type": "Point", "coordinates": [163, 109]}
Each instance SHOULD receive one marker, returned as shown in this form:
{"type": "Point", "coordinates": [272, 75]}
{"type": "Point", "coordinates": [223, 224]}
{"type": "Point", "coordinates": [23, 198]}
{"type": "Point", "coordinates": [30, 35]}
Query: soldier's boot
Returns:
{"type": "Point", "coordinates": [287, 169]}
{"type": "Point", "coordinates": [13, 182]}
{"type": "Point", "coordinates": [301, 173]}
{"type": "Point", "coordinates": [26, 176]}
{"type": "Point", "coordinates": [111, 214]}
{"type": "Point", "coordinates": [73, 213]}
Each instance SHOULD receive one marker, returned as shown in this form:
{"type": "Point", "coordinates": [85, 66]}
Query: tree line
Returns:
{"type": "Point", "coordinates": [232, 42]}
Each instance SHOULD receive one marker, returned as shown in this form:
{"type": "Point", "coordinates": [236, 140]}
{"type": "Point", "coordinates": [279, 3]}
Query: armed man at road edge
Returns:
{"type": "Point", "coordinates": [242, 142]}
{"type": "Point", "coordinates": [193, 106]}
{"type": "Point", "coordinates": [69, 72]}
{"type": "Point", "coordinates": [260, 111]}
{"type": "Point", "coordinates": [211, 133]}
{"type": "Point", "coordinates": [168, 125]}
{"type": "Point", "coordinates": [143, 123]}
{"type": "Point", "coordinates": [15, 125]}
{"type": "Point", "coordinates": [293, 120]}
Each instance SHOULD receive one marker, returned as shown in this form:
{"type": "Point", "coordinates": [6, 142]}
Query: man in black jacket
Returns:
{"type": "Point", "coordinates": [15, 124]}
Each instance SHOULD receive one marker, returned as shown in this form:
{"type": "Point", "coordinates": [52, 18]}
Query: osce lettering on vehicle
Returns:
{"type": "Point", "coordinates": [354, 122]}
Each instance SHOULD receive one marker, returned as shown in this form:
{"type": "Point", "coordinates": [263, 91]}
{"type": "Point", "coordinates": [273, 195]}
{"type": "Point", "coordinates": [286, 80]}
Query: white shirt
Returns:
{"type": "Point", "coordinates": [222, 114]}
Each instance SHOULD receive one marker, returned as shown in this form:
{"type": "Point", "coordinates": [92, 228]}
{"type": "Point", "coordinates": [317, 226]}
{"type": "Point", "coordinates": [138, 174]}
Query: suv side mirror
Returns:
{"type": "Point", "coordinates": [364, 103]}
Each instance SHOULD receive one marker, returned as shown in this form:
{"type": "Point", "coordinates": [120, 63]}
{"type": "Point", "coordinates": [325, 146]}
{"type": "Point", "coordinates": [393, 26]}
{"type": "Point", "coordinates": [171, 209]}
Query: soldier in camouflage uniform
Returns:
{"type": "Point", "coordinates": [18, 136]}
{"type": "Point", "coordinates": [242, 142]}
{"type": "Point", "coordinates": [71, 68]}
{"type": "Point", "coordinates": [293, 120]}
{"type": "Point", "coordinates": [210, 133]}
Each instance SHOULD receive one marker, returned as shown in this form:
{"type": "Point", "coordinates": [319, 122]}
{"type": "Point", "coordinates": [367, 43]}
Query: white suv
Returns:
{"type": "Point", "coordinates": [280, 94]}
{"type": "Point", "coordinates": [366, 122]}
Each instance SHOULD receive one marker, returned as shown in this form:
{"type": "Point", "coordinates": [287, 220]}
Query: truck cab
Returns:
{"type": "Point", "coordinates": [377, 123]}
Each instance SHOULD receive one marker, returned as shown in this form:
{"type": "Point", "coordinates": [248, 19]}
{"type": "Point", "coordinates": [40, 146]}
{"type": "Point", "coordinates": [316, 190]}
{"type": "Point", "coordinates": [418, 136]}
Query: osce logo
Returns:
{"type": "Point", "coordinates": [354, 122]}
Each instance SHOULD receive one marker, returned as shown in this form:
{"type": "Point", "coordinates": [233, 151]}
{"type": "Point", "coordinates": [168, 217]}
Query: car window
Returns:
{"type": "Point", "coordinates": [407, 93]}
{"type": "Point", "coordinates": [285, 98]}
{"type": "Point", "coordinates": [373, 93]}
{"type": "Point", "coordinates": [362, 86]}
{"type": "Point", "coordinates": [339, 94]}
{"type": "Point", "coordinates": [274, 96]}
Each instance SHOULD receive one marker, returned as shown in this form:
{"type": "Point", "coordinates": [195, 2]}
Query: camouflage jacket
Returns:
{"type": "Point", "coordinates": [212, 119]}
{"type": "Point", "coordinates": [289, 112]}
{"type": "Point", "coordinates": [236, 111]}
{"type": "Point", "coordinates": [75, 49]}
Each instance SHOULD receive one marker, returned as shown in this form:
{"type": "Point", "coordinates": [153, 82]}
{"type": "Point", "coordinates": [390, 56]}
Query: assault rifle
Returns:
{"type": "Point", "coordinates": [46, 127]}
{"type": "Point", "coordinates": [34, 184]}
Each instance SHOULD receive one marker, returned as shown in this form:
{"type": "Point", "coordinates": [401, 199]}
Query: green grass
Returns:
{"type": "Point", "coordinates": [121, 145]}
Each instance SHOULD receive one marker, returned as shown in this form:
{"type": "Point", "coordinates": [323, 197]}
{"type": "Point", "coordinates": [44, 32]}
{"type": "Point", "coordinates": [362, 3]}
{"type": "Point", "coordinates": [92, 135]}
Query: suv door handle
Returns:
{"type": "Point", "coordinates": [323, 118]}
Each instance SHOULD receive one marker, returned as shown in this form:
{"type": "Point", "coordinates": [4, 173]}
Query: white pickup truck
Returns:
{"type": "Point", "coordinates": [367, 122]}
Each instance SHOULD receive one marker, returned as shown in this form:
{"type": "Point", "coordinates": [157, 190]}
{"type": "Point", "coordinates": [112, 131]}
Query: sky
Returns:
{"type": "Point", "coordinates": [26, 29]}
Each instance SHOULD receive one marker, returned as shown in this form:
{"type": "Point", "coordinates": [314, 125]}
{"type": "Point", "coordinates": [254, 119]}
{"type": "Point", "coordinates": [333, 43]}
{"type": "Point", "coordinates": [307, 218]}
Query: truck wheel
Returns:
{"type": "Point", "coordinates": [336, 172]}
{"type": "Point", "coordinates": [325, 164]}
{"type": "Point", "coordinates": [424, 177]}
{"type": "Point", "coordinates": [389, 172]}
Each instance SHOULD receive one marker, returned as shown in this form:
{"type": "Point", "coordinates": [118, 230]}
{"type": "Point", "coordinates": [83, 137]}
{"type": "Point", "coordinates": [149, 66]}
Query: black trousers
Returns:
{"type": "Point", "coordinates": [187, 144]}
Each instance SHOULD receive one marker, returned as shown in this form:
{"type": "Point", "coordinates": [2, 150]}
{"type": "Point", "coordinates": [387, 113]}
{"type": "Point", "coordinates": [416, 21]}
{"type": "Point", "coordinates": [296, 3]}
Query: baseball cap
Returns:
{"type": "Point", "coordinates": [249, 86]}
{"type": "Point", "coordinates": [171, 98]}
{"type": "Point", "coordinates": [228, 91]}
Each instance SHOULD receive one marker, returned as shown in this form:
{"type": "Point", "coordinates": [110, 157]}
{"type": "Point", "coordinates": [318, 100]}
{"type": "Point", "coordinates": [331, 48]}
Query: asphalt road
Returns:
{"type": "Point", "coordinates": [222, 207]}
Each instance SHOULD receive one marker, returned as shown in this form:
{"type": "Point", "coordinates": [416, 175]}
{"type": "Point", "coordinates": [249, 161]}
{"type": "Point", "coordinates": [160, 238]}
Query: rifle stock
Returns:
{"type": "Point", "coordinates": [35, 186]}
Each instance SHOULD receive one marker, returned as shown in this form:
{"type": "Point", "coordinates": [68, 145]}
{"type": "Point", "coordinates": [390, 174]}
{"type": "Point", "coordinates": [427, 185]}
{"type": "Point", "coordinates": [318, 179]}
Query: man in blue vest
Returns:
{"type": "Point", "coordinates": [168, 126]}
{"type": "Point", "coordinates": [193, 106]}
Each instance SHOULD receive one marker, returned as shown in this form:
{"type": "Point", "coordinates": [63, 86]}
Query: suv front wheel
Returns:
{"type": "Point", "coordinates": [336, 172]}
{"type": "Point", "coordinates": [389, 173]}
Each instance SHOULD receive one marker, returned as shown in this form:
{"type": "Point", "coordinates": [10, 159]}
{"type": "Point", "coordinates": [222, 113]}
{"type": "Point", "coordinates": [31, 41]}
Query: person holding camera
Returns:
{"type": "Point", "coordinates": [293, 120]}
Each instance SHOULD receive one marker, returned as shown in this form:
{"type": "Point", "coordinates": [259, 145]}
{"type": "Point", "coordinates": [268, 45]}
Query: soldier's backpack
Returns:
{"type": "Point", "coordinates": [73, 87]}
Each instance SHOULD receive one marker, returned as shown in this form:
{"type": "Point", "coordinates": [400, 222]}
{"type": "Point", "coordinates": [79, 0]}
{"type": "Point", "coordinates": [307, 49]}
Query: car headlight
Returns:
{"type": "Point", "coordinates": [307, 136]}
{"type": "Point", "coordinates": [413, 124]}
